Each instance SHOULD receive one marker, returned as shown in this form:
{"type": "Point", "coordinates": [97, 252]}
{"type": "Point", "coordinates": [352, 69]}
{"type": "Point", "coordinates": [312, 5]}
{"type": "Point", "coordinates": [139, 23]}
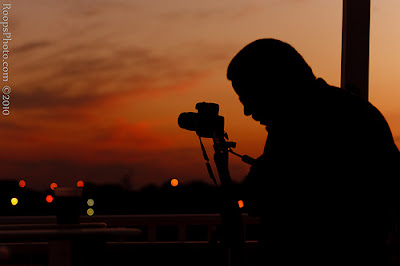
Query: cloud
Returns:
{"type": "Point", "coordinates": [89, 78]}
{"type": "Point", "coordinates": [82, 139]}
{"type": "Point", "coordinates": [105, 57]}
{"type": "Point", "coordinates": [97, 93]}
{"type": "Point", "coordinates": [29, 47]}
{"type": "Point", "coordinates": [133, 136]}
{"type": "Point", "coordinates": [212, 12]}
{"type": "Point", "coordinates": [11, 126]}
{"type": "Point", "coordinates": [45, 98]}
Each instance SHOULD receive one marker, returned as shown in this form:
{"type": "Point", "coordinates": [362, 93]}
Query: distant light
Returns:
{"type": "Point", "coordinates": [22, 183]}
{"type": "Point", "coordinates": [90, 202]}
{"type": "Point", "coordinates": [174, 182]}
{"type": "Point", "coordinates": [49, 198]}
{"type": "Point", "coordinates": [14, 201]}
{"type": "Point", "coordinates": [90, 211]}
{"type": "Point", "coordinates": [80, 183]}
{"type": "Point", "coordinates": [241, 203]}
{"type": "Point", "coordinates": [53, 185]}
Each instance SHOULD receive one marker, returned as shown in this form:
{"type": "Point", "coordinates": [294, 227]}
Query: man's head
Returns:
{"type": "Point", "coordinates": [269, 75]}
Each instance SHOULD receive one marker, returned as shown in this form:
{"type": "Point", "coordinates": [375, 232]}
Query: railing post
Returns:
{"type": "Point", "coordinates": [182, 232]}
{"type": "Point", "coordinates": [151, 232]}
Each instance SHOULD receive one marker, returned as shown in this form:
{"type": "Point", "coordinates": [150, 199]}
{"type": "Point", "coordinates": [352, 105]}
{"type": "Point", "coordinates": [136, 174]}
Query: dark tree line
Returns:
{"type": "Point", "coordinates": [193, 198]}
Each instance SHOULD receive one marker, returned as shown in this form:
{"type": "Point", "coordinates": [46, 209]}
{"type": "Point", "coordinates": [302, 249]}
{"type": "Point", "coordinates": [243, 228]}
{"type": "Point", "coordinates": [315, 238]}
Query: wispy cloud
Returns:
{"type": "Point", "coordinates": [30, 47]}
{"type": "Point", "coordinates": [209, 13]}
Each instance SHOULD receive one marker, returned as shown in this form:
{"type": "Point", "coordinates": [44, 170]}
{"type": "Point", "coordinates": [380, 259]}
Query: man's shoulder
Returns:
{"type": "Point", "coordinates": [345, 103]}
{"type": "Point", "coordinates": [357, 119]}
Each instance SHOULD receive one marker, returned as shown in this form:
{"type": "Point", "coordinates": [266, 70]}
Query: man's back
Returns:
{"type": "Point", "coordinates": [322, 186]}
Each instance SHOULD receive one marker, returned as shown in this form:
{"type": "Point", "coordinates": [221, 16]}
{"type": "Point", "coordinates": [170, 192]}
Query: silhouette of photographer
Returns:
{"type": "Point", "coordinates": [326, 182]}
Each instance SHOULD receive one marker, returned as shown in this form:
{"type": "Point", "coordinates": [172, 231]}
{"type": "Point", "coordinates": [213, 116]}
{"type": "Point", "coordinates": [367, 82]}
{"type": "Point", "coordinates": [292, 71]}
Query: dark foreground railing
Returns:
{"type": "Point", "coordinates": [180, 239]}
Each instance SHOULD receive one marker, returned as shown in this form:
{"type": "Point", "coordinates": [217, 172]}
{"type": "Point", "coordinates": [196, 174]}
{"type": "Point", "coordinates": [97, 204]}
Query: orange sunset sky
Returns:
{"type": "Point", "coordinates": [97, 86]}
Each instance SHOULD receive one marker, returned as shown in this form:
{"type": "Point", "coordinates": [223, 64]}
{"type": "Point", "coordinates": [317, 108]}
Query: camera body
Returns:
{"type": "Point", "coordinates": [206, 122]}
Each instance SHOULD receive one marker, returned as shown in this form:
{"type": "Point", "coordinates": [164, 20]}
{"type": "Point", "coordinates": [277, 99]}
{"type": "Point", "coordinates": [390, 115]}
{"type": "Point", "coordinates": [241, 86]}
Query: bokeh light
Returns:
{"type": "Point", "coordinates": [49, 198]}
{"type": "Point", "coordinates": [14, 201]}
{"type": "Point", "coordinates": [80, 183]}
{"type": "Point", "coordinates": [90, 202]}
{"type": "Point", "coordinates": [174, 182]}
{"type": "Point", "coordinates": [22, 183]}
{"type": "Point", "coordinates": [241, 203]}
{"type": "Point", "coordinates": [53, 185]}
{"type": "Point", "coordinates": [90, 211]}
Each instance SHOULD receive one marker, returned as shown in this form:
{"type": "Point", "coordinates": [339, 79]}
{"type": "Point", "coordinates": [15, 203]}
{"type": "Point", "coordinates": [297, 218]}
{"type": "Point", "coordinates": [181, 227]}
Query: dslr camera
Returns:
{"type": "Point", "coordinates": [206, 122]}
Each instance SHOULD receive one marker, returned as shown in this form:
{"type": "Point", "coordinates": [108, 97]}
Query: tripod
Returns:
{"type": "Point", "coordinates": [207, 123]}
{"type": "Point", "coordinates": [233, 230]}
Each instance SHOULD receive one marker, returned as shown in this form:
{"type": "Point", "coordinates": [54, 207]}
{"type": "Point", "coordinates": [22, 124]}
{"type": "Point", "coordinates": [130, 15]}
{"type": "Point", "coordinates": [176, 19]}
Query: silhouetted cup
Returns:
{"type": "Point", "coordinates": [68, 204]}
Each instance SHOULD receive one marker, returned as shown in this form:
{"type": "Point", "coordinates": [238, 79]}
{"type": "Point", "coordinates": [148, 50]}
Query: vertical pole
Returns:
{"type": "Point", "coordinates": [355, 46]}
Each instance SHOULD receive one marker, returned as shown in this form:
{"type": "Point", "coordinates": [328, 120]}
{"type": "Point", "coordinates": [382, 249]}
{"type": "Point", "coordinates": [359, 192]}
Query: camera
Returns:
{"type": "Point", "coordinates": [206, 122]}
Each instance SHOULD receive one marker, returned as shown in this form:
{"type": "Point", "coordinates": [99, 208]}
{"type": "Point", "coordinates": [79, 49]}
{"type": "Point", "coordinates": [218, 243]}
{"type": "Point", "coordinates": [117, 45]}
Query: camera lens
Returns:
{"type": "Point", "coordinates": [188, 121]}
